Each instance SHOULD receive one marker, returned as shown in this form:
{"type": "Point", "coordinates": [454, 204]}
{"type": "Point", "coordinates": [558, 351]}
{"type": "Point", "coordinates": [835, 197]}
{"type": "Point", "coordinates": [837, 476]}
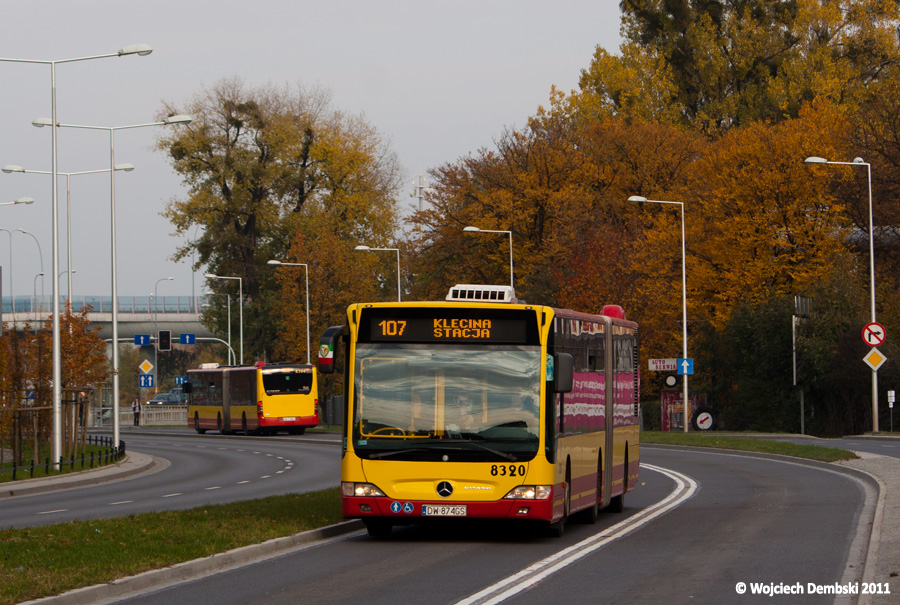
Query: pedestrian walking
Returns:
{"type": "Point", "coordinates": [136, 408]}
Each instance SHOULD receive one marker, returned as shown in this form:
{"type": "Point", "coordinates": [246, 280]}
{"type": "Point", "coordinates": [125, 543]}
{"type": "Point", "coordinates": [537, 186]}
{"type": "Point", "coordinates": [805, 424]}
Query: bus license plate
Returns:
{"type": "Point", "coordinates": [289, 419]}
{"type": "Point", "coordinates": [429, 510]}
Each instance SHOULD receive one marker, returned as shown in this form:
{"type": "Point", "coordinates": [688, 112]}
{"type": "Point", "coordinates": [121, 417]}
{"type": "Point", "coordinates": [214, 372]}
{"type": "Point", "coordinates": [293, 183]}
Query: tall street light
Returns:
{"type": "Point", "coordinates": [11, 292]}
{"type": "Point", "coordinates": [306, 269]}
{"type": "Point", "coordinates": [509, 233]}
{"type": "Point", "coordinates": [861, 162]}
{"type": "Point", "coordinates": [41, 122]}
{"type": "Point", "coordinates": [240, 308]}
{"type": "Point", "coordinates": [156, 325]}
{"type": "Point", "coordinates": [40, 255]}
{"type": "Point", "coordinates": [34, 294]}
{"type": "Point", "coordinates": [56, 441]}
{"type": "Point", "coordinates": [687, 402]}
{"type": "Point", "coordinates": [21, 200]}
{"type": "Point", "coordinates": [397, 250]}
{"type": "Point", "coordinates": [10, 168]}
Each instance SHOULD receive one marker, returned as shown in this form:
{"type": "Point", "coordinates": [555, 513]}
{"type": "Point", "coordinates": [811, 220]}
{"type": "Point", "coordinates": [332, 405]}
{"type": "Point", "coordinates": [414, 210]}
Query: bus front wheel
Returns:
{"type": "Point", "coordinates": [197, 424]}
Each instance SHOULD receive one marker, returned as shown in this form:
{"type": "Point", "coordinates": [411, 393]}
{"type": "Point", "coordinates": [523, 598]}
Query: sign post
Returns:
{"type": "Point", "coordinates": [891, 405]}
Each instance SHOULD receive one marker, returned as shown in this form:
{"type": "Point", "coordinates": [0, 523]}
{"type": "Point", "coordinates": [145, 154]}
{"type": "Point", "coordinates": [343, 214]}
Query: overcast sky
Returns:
{"type": "Point", "coordinates": [439, 80]}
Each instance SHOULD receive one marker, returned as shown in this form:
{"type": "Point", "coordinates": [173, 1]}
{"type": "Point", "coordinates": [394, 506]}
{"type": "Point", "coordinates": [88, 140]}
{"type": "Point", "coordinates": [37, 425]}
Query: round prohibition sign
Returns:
{"type": "Point", "coordinates": [874, 334]}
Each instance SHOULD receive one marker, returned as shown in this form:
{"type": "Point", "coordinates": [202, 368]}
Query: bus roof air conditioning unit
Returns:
{"type": "Point", "coordinates": [475, 293]}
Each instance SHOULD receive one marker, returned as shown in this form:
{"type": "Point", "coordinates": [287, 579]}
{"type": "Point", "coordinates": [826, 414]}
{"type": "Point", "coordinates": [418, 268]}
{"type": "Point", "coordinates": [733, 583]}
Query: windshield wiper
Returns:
{"type": "Point", "coordinates": [504, 455]}
{"type": "Point", "coordinates": [389, 453]}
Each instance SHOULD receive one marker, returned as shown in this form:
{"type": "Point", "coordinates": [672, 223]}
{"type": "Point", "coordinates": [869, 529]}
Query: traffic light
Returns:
{"type": "Point", "coordinates": [164, 340]}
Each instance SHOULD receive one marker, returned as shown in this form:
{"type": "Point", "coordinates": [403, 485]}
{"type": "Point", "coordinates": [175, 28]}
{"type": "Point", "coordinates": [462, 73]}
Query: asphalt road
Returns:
{"type": "Point", "coordinates": [200, 470]}
{"type": "Point", "coordinates": [752, 520]}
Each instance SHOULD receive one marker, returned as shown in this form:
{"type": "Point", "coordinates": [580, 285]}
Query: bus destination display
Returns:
{"type": "Point", "coordinates": [398, 328]}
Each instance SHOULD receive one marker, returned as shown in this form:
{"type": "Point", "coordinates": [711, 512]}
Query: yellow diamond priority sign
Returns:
{"type": "Point", "coordinates": [146, 366]}
{"type": "Point", "coordinates": [874, 359]}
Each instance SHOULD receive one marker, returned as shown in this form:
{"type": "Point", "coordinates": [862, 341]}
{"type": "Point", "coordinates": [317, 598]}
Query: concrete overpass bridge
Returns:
{"type": "Point", "coordinates": [136, 314]}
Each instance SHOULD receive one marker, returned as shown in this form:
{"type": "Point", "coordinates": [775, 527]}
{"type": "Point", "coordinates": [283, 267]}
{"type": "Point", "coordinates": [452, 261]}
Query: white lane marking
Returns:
{"type": "Point", "coordinates": [531, 575]}
{"type": "Point", "coordinates": [50, 512]}
{"type": "Point", "coordinates": [266, 477]}
{"type": "Point", "coordinates": [172, 495]}
{"type": "Point", "coordinates": [242, 482]}
{"type": "Point", "coordinates": [206, 489]}
{"type": "Point", "coordinates": [120, 502]}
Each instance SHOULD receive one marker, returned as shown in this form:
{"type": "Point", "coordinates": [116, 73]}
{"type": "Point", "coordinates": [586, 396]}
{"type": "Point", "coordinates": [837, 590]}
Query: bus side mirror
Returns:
{"type": "Point", "coordinates": [327, 345]}
{"type": "Point", "coordinates": [563, 372]}
{"type": "Point", "coordinates": [186, 388]}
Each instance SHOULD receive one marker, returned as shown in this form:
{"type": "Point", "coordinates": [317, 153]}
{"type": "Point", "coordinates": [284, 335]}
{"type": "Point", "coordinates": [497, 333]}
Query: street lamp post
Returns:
{"type": "Point", "coordinates": [240, 309]}
{"type": "Point", "coordinates": [306, 269]}
{"type": "Point", "coordinates": [397, 250]}
{"type": "Point", "coordinates": [509, 233]}
{"type": "Point", "coordinates": [10, 168]}
{"type": "Point", "coordinates": [861, 162]}
{"type": "Point", "coordinates": [687, 402]}
{"type": "Point", "coordinates": [56, 442]}
{"type": "Point", "coordinates": [34, 294]}
{"type": "Point", "coordinates": [156, 327]}
{"type": "Point", "coordinates": [11, 292]}
{"type": "Point", "coordinates": [40, 255]}
{"type": "Point", "coordinates": [40, 122]}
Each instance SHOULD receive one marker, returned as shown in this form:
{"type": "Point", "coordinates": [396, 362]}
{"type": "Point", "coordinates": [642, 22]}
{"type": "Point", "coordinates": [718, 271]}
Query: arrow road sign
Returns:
{"type": "Point", "coordinates": [142, 340]}
{"type": "Point", "coordinates": [874, 334]}
{"type": "Point", "coordinates": [145, 381]}
{"type": "Point", "coordinates": [685, 366]}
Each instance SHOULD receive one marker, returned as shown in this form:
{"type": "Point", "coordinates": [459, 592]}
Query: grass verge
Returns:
{"type": "Point", "coordinates": [44, 561]}
{"type": "Point", "coordinates": [748, 444]}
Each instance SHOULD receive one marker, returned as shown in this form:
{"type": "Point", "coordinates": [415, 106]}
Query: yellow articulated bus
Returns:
{"type": "Point", "coordinates": [259, 399]}
{"type": "Point", "coordinates": [482, 407]}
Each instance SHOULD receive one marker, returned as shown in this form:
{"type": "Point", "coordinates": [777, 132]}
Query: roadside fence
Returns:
{"type": "Point", "coordinates": [108, 455]}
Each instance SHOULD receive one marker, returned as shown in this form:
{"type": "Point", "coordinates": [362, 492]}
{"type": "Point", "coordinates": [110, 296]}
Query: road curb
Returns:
{"type": "Point", "coordinates": [189, 570]}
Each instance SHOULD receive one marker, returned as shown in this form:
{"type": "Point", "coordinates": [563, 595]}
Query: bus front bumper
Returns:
{"type": "Point", "coordinates": [414, 511]}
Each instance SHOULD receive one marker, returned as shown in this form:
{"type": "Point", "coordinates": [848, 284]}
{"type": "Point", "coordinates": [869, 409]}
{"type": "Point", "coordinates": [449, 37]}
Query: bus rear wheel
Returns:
{"type": "Point", "coordinates": [378, 528]}
{"type": "Point", "coordinates": [297, 430]}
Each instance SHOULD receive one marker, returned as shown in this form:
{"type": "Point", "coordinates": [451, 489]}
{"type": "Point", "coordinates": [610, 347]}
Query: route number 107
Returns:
{"type": "Point", "coordinates": [392, 327]}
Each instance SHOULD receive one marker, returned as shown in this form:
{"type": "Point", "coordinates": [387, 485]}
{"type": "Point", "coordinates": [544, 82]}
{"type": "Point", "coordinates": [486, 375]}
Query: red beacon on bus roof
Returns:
{"type": "Point", "coordinates": [614, 311]}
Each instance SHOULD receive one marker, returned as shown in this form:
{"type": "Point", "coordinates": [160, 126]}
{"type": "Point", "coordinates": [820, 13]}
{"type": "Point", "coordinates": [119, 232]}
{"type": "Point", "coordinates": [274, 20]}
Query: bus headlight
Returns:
{"type": "Point", "coordinates": [529, 492]}
{"type": "Point", "coordinates": [349, 488]}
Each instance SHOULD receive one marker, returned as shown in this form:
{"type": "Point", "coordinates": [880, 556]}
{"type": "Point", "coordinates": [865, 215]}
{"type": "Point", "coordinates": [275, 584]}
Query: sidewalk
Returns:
{"type": "Point", "coordinates": [883, 559]}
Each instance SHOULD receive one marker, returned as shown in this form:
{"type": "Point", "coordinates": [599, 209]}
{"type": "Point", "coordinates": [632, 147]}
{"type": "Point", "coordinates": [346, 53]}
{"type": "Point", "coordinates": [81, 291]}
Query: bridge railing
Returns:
{"type": "Point", "coordinates": [103, 304]}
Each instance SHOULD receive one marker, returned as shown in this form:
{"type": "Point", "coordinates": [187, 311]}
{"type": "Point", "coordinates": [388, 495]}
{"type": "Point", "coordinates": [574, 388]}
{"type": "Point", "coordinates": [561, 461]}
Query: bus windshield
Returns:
{"type": "Point", "coordinates": [287, 381]}
{"type": "Point", "coordinates": [446, 402]}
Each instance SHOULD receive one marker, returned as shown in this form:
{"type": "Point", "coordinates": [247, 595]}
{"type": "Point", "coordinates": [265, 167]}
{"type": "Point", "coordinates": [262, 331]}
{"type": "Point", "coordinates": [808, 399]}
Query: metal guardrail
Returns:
{"type": "Point", "coordinates": [103, 304]}
{"type": "Point", "coordinates": [109, 455]}
{"type": "Point", "coordinates": [156, 415]}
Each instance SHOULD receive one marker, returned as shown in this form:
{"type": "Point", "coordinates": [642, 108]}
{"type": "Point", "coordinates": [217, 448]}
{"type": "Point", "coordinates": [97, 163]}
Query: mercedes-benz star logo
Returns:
{"type": "Point", "coordinates": [444, 489]}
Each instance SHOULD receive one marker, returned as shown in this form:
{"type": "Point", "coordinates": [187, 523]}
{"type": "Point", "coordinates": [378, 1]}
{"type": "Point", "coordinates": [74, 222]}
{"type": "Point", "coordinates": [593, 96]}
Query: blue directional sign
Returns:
{"type": "Point", "coordinates": [142, 340]}
{"type": "Point", "coordinates": [180, 380]}
{"type": "Point", "coordinates": [187, 339]}
{"type": "Point", "coordinates": [685, 366]}
{"type": "Point", "coordinates": [145, 381]}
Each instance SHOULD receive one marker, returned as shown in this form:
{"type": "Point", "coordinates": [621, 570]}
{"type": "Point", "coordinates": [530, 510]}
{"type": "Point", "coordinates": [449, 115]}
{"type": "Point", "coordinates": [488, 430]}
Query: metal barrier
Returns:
{"type": "Point", "coordinates": [156, 415]}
